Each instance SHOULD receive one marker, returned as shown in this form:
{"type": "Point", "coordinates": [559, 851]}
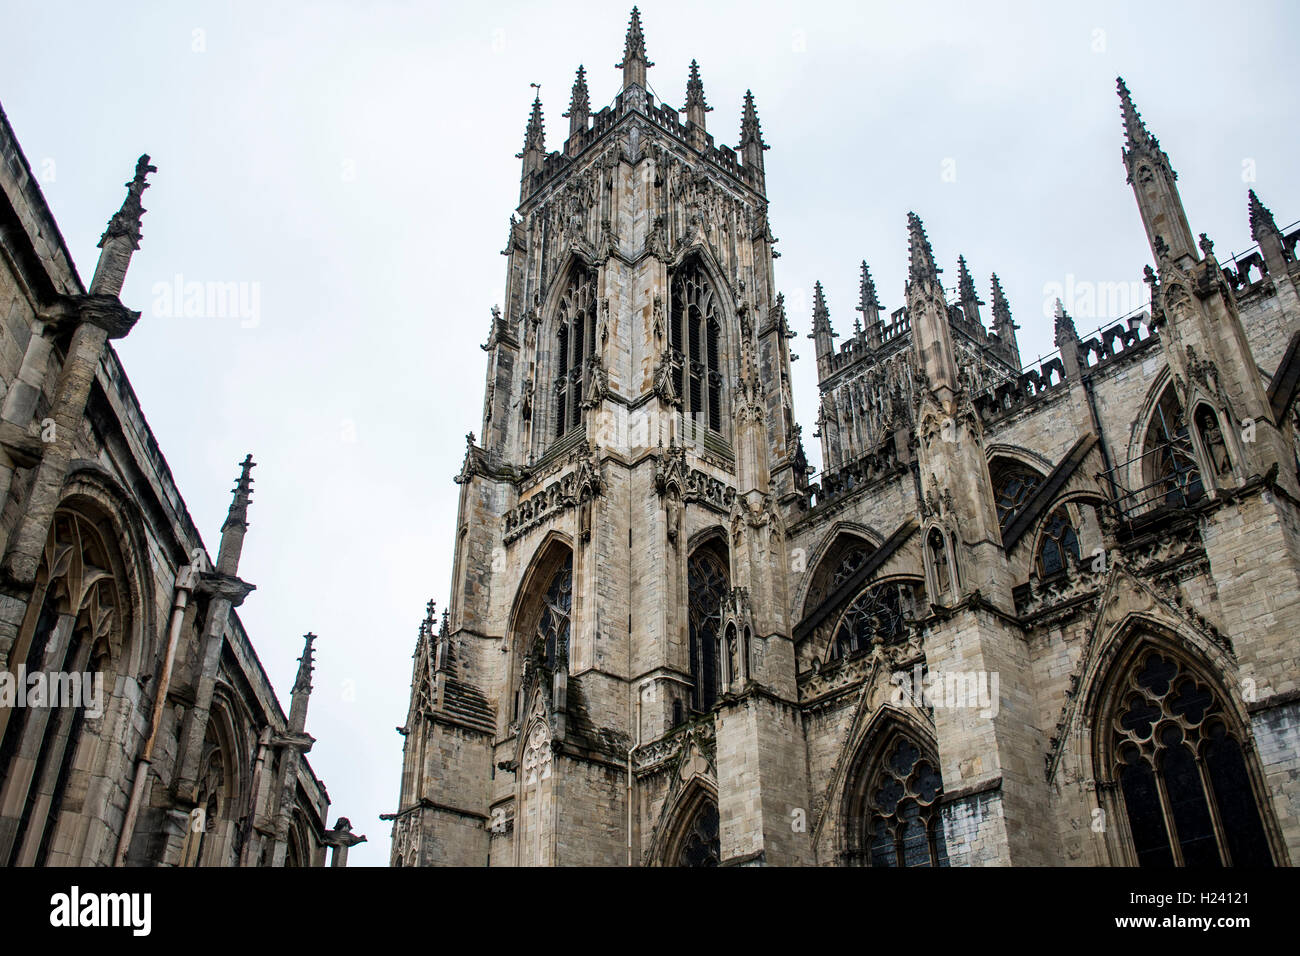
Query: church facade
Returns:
{"type": "Point", "coordinates": [1044, 614]}
{"type": "Point", "coordinates": [137, 725]}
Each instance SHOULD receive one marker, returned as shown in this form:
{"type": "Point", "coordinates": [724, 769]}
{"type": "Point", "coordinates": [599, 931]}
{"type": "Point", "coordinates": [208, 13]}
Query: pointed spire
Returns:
{"type": "Point", "coordinates": [1135, 131]}
{"type": "Point", "coordinates": [1065, 330]}
{"type": "Point", "coordinates": [122, 237]}
{"type": "Point", "coordinates": [695, 89]}
{"type": "Point", "coordinates": [535, 134]}
{"type": "Point", "coordinates": [306, 664]}
{"type": "Point", "coordinates": [1155, 188]}
{"type": "Point", "coordinates": [970, 300]}
{"type": "Point", "coordinates": [867, 298]}
{"type": "Point", "coordinates": [868, 306]}
{"type": "Point", "coordinates": [126, 221]}
{"type": "Point", "coordinates": [579, 103]}
{"type": "Point", "coordinates": [822, 334]}
{"type": "Point", "coordinates": [696, 108]}
{"type": "Point", "coordinates": [1001, 308]}
{"type": "Point", "coordinates": [921, 256]}
{"type": "Point", "coordinates": [821, 313]}
{"type": "Point", "coordinates": [750, 131]}
{"type": "Point", "coordinates": [1261, 220]}
{"type": "Point", "coordinates": [232, 532]}
{"type": "Point", "coordinates": [965, 284]}
{"type": "Point", "coordinates": [634, 56]}
{"type": "Point", "coordinates": [242, 495]}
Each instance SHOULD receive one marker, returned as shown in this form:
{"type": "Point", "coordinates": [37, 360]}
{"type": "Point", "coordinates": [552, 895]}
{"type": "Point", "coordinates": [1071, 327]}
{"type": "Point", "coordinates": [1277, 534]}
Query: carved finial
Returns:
{"type": "Point", "coordinates": [965, 284]}
{"type": "Point", "coordinates": [1207, 246]}
{"type": "Point", "coordinates": [306, 664]}
{"type": "Point", "coordinates": [1001, 308]}
{"type": "Point", "coordinates": [126, 221]}
{"type": "Point", "coordinates": [535, 134]}
{"type": "Point", "coordinates": [634, 56]}
{"type": "Point", "coordinates": [243, 494]}
{"type": "Point", "coordinates": [751, 133]}
{"type": "Point", "coordinates": [579, 101]}
{"type": "Point", "coordinates": [695, 90]}
{"type": "Point", "coordinates": [821, 314]}
{"type": "Point", "coordinates": [921, 264]}
{"type": "Point", "coordinates": [1261, 220]}
{"type": "Point", "coordinates": [469, 439]}
{"type": "Point", "coordinates": [867, 298]}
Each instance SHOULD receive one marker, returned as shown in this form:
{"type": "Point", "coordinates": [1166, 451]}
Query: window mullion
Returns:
{"type": "Point", "coordinates": [1220, 834]}
{"type": "Point", "coordinates": [1166, 809]}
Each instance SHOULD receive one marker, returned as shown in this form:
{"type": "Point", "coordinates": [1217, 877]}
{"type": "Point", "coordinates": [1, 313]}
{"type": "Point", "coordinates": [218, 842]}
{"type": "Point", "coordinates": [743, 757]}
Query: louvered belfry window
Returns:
{"type": "Point", "coordinates": [695, 331]}
{"type": "Point", "coordinates": [575, 343]}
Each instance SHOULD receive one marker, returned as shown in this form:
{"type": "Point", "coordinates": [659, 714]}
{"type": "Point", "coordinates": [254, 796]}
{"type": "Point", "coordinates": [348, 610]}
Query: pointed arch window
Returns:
{"type": "Point", "coordinates": [707, 583]}
{"type": "Point", "coordinates": [835, 569]}
{"type": "Point", "coordinates": [77, 631]}
{"type": "Point", "coordinates": [543, 624]}
{"type": "Point", "coordinates": [876, 614]}
{"type": "Point", "coordinates": [1171, 476]}
{"type": "Point", "coordinates": [1176, 754]}
{"type": "Point", "coordinates": [695, 331]}
{"type": "Point", "coordinates": [575, 345]}
{"type": "Point", "coordinates": [1059, 539]}
{"type": "Point", "coordinates": [553, 626]}
{"type": "Point", "coordinates": [701, 845]}
{"type": "Point", "coordinates": [1013, 486]}
{"type": "Point", "coordinates": [894, 809]}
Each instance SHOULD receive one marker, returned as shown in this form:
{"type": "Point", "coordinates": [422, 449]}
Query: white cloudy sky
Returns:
{"type": "Point", "coordinates": [354, 164]}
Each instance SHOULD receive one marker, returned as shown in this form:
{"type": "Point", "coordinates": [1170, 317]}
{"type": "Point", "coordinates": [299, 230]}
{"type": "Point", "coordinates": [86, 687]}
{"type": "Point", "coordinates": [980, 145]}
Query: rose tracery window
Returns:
{"type": "Point", "coordinates": [575, 343]}
{"type": "Point", "coordinates": [695, 330]}
{"type": "Point", "coordinates": [901, 824]}
{"type": "Point", "coordinates": [707, 582]}
{"type": "Point", "coordinates": [1177, 757]}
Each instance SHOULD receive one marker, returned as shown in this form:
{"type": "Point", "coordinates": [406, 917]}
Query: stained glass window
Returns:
{"type": "Point", "coordinates": [707, 580]}
{"type": "Point", "coordinates": [553, 627]}
{"type": "Point", "coordinates": [901, 810]}
{"type": "Point", "coordinates": [1182, 774]}
{"type": "Point", "coordinates": [1058, 538]}
{"type": "Point", "coordinates": [702, 846]}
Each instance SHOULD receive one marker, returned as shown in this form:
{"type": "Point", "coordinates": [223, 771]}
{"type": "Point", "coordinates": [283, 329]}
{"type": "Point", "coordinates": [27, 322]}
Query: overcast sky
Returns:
{"type": "Point", "coordinates": [352, 165]}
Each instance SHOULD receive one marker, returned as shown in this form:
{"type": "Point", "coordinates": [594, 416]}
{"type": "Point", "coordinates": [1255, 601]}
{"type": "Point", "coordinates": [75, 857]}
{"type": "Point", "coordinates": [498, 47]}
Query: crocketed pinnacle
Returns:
{"type": "Point", "coordinates": [579, 100]}
{"type": "Point", "coordinates": [695, 90]}
{"type": "Point", "coordinates": [126, 221]}
{"type": "Point", "coordinates": [921, 257]}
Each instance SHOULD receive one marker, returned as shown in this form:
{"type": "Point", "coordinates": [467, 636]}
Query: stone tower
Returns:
{"type": "Point", "coordinates": [1017, 603]}
{"type": "Point", "coordinates": [637, 443]}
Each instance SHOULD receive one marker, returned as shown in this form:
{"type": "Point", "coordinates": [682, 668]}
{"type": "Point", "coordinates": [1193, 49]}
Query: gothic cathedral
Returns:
{"type": "Point", "coordinates": [1041, 614]}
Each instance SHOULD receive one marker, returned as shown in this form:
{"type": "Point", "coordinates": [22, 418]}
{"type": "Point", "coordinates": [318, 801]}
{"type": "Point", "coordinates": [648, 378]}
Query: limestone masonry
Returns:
{"type": "Point", "coordinates": [187, 758]}
{"type": "Point", "coordinates": [1040, 614]}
